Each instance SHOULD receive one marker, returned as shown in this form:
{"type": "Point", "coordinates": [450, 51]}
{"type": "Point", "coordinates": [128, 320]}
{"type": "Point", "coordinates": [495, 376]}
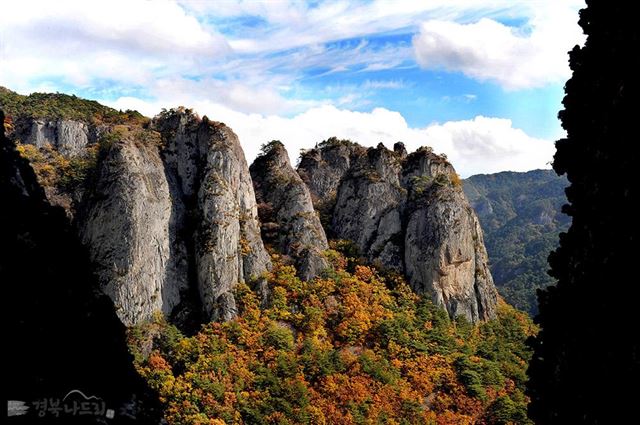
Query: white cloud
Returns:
{"type": "Point", "coordinates": [175, 53]}
{"type": "Point", "coordinates": [243, 96]}
{"type": "Point", "coordinates": [490, 50]}
{"type": "Point", "coordinates": [79, 41]}
{"type": "Point", "coordinates": [137, 46]}
{"type": "Point", "coordinates": [489, 145]}
{"type": "Point", "coordinates": [480, 145]}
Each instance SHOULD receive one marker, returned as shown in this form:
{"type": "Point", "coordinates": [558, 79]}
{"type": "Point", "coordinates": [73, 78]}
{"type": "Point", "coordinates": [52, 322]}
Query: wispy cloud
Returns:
{"type": "Point", "coordinates": [135, 42]}
{"type": "Point", "coordinates": [383, 84]}
{"type": "Point", "coordinates": [297, 70]}
{"type": "Point", "coordinates": [293, 23]}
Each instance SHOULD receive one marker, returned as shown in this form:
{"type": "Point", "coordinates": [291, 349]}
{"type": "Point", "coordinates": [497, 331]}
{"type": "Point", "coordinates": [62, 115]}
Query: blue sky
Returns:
{"type": "Point", "coordinates": [479, 80]}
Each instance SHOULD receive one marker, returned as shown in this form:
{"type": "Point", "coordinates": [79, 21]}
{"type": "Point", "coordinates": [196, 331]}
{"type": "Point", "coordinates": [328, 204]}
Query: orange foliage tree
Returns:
{"type": "Point", "coordinates": [345, 348]}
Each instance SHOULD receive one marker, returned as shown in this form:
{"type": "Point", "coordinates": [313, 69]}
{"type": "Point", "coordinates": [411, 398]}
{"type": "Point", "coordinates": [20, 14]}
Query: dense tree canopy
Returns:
{"type": "Point", "coordinates": [64, 106]}
{"type": "Point", "coordinates": [340, 349]}
{"type": "Point", "coordinates": [586, 363]}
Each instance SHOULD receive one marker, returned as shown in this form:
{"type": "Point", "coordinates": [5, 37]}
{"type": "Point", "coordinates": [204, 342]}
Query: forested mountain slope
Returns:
{"type": "Point", "coordinates": [521, 216]}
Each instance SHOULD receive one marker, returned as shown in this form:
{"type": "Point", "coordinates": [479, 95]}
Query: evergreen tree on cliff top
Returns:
{"type": "Point", "coordinates": [585, 368]}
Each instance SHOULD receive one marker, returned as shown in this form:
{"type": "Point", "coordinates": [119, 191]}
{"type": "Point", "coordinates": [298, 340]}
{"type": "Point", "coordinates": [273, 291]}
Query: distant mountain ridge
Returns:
{"type": "Point", "coordinates": [521, 216]}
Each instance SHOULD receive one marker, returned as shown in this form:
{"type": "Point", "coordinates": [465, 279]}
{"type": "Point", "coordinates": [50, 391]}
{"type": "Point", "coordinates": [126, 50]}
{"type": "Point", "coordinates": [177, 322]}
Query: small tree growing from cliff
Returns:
{"type": "Point", "coordinates": [583, 361]}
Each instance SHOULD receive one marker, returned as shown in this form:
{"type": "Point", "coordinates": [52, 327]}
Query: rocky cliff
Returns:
{"type": "Point", "coordinates": [69, 137]}
{"type": "Point", "coordinates": [444, 254]}
{"type": "Point", "coordinates": [172, 216]}
{"type": "Point", "coordinates": [125, 222]}
{"type": "Point", "coordinates": [406, 213]}
{"type": "Point", "coordinates": [168, 210]}
{"type": "Point", "coordinates": [211, 185]}
{"type": "Point", "coordinates": [289, 220]}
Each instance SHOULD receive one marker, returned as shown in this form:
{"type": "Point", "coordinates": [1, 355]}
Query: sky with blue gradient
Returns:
{"type": "Point", "coordinates": [479, 80]}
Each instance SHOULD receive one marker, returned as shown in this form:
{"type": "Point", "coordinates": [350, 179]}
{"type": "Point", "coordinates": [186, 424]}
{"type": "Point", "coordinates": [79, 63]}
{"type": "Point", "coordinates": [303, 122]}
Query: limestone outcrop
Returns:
{"type": "Point", "coordinates": [406, 213]}
{"type": "Point", "coordinates": [289, 221]}
{"type": "Point", "coordinates": [169, 213]}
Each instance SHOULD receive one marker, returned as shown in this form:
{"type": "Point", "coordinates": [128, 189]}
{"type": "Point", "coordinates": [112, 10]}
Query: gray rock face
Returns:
{"type": "Point", "coordinates": [286, 210]}
{"type": "Point", "coordinates": [168, 220]}
{"type": "Point", "coordinates": [68, 137]}
{"type": "Point", "coordinates": [208, 170]}
{"type": "Point", "coordinates": [323, 168]}
{"type": "Point", "coordinates": [126, 227]}
{"type": "Point", "coordinates": [407, 213]}
{"type": "Point", "coordinates": [228, 245]}
{"type": "Point", "coordinates": [369, 206]}
{"type": "Point", "coordinates": [445, 254]}
{"type": "Point", "coordinates": [173, 226]}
